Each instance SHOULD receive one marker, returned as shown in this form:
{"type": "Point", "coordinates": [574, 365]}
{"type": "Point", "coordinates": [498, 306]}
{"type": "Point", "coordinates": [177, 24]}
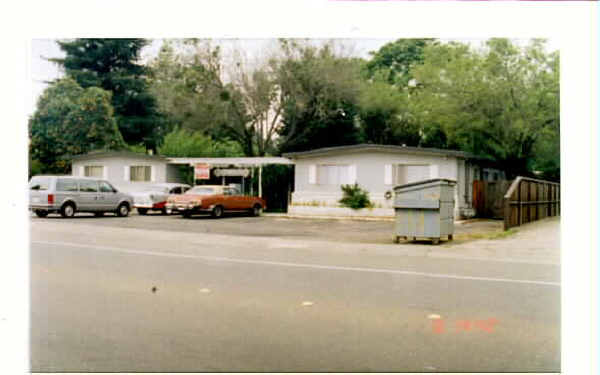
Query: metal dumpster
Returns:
{"type": "Point", "coordinates": [425, 209]}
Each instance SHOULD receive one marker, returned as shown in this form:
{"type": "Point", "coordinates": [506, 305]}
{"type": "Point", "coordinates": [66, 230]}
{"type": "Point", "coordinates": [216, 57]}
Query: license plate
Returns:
{"type": "Point", "coordinates": [35, 200]}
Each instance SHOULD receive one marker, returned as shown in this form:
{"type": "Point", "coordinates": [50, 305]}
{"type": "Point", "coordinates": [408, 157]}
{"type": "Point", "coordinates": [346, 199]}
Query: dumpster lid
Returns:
{"type": "Point", "coordinates": [448, 181]}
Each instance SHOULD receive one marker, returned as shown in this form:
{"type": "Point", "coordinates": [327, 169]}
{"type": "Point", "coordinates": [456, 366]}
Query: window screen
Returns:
{"type": "Point", "coordinates": [333, 174]}
{"type": "Point", "coordinates": [405, 173]}
{"type": "Point", "coordinates": [140, 173]}
{"type": "Point", "coordinates": [94, 171]}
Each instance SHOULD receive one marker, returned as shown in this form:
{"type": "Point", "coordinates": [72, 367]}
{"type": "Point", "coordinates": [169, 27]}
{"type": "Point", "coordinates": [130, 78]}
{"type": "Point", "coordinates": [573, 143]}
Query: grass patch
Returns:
{"type": "Point", "coordinates": [486, 235]}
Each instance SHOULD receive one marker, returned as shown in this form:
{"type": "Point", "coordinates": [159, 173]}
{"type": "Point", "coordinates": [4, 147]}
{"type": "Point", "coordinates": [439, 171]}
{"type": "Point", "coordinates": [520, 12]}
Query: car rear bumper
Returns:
{"type": "Point", "coordinates": [43, 207]}
{"type": "Point", "coordinates": [150, 206]}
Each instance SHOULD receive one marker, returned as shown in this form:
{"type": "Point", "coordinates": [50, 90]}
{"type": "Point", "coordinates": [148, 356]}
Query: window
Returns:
{"type": "Point", "coordinates": [93, 171]}
{"type": "Point", "coordinates": [39, 183]}
{"type": "Point", "coordinates": [201, 190]}
{"type": "Point", "coordinates": [485, 175]}
{"type": "Point", "coordinates": [332, 174]}
{"type": "Point", "coordinates": [230, 191]}
{"type": "Point", "coordinates": [88, 186]}
{"type": "Point", "coordinates": [405, 173]}
{"type": "Point", "coordinates": [105, 187]}
{"type": "Point", "coordinates": [140, 173]}
{"type": "Point", "coordinates": [66, 184]}
{"type": "Point", "coordinates": [175, 190]}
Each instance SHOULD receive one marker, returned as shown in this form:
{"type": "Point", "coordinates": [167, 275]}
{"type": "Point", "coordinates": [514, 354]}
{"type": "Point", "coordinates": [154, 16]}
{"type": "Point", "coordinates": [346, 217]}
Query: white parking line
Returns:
{"type": "Point", "coordinates": [297, 265]}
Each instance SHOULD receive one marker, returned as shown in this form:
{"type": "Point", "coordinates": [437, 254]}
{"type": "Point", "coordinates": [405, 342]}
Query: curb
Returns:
{"type": "Point", "coordinates": [357, 218]}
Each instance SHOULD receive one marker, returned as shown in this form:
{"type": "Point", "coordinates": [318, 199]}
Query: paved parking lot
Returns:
{"type": "Point", "coordinates": [353, 231]}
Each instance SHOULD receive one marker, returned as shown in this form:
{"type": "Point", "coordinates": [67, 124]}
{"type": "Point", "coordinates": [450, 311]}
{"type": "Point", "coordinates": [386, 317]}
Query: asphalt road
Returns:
{"type": "Point", "coordinates": [110, 298]}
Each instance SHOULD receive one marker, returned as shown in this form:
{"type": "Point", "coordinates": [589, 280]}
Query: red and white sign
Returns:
{"type": "Point", "coordinates": [201, 171]}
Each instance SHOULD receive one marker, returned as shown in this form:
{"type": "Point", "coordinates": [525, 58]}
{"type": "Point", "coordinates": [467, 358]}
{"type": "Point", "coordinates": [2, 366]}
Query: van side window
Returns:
{"type": "Point", "coordinates": [39, 183]}
{"type": "Point", "coordinates": [66, 184]}
{"type": "Point", "coordinates": [106, 188]}
{"type": "Point", "coordinates": [89, 186]}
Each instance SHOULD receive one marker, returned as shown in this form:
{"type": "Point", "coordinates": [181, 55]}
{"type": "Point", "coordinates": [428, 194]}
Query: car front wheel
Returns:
{"type": "Point", "coordinates": [123, 210]}
{"type": "Point", "coordinates": [217, 212]}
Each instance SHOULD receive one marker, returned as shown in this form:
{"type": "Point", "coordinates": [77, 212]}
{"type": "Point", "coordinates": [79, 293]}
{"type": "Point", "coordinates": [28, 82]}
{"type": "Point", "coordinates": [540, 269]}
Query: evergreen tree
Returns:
{"type": "Point", "coordinates": [113, 65]}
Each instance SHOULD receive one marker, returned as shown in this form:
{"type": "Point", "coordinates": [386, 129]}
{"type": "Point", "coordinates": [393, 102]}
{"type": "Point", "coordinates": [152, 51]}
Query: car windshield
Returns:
{"type": "Point", "coordinates": [201, 190]}
{"type": "Point", "coordinates": [39, 183]}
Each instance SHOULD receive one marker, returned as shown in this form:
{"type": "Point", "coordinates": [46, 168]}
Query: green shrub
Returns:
{"type": "Point", "coordinates": [355, 197]}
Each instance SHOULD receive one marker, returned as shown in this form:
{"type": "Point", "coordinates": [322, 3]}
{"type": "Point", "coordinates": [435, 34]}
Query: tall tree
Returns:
{"type": "Point", "coordinates": [113, 65]}
{"type": "Point", "coordinates": [319, 91]}
{"type": "Point", "coordinates": [394, 61]}
{"type": "Point", "coordinates": [189, 83]}
{"type": "Point", "coordinates": [494, 102]}
{"type": "Point", "coordinates": [70, 120]}
{"type": "Point", "coordinates": [385, 115]}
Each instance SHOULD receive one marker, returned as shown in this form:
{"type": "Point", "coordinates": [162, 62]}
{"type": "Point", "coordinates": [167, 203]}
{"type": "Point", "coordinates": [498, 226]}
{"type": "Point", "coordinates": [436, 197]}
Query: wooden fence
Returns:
{"type": "Point", "coordinates": [528, 199]}
{"type": "Point", "coordinates": [488, 198]}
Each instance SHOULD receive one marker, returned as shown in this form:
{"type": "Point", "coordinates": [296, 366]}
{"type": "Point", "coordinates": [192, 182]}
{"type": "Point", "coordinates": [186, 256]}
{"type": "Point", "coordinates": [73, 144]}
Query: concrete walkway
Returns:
{"type": "Point", "coordinates": [537, 242]}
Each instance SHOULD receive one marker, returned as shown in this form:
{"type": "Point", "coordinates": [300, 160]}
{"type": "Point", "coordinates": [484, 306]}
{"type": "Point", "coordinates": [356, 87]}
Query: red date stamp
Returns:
{"type": "Point", "coordinates": [486, 325]}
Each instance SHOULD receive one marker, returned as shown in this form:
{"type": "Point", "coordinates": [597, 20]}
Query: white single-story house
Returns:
{"type": "Point", "coordinates": [320, 173]}
{"type": "Point", "coordinates": [128, 171]}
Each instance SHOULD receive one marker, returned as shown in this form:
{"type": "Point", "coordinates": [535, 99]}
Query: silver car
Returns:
{"type": "Point", "coordinates": [154, 197]}
{"type": "Point", "coordinates": [67, 195]}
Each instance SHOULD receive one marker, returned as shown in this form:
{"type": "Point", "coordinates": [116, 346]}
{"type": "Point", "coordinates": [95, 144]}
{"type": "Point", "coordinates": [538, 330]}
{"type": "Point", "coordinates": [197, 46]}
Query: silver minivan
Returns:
{"type": "Point", "coordinates": [68, 195]}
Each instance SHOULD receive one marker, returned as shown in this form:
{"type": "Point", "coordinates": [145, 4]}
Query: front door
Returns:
{"type": "Point", "coordinates": [107, 196]}
{"type": "Point", "coordinates": [88, 195]}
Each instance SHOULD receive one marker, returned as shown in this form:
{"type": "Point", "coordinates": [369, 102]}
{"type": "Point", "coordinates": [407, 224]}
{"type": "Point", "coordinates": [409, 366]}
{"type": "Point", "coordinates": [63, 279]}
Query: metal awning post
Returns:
{"type": "Point", "coordinates": [252, 181]}
{"type": "Point", "coordinates": [260, 181]}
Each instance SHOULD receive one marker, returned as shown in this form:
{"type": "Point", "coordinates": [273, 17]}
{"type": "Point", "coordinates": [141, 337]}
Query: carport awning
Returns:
{"type": "Point", "coordinates": [225, 162]}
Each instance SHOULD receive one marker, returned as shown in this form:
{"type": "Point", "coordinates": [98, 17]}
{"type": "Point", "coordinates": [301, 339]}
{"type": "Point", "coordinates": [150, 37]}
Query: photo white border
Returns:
{"type": "Point", "coordinates": [573, 23]}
